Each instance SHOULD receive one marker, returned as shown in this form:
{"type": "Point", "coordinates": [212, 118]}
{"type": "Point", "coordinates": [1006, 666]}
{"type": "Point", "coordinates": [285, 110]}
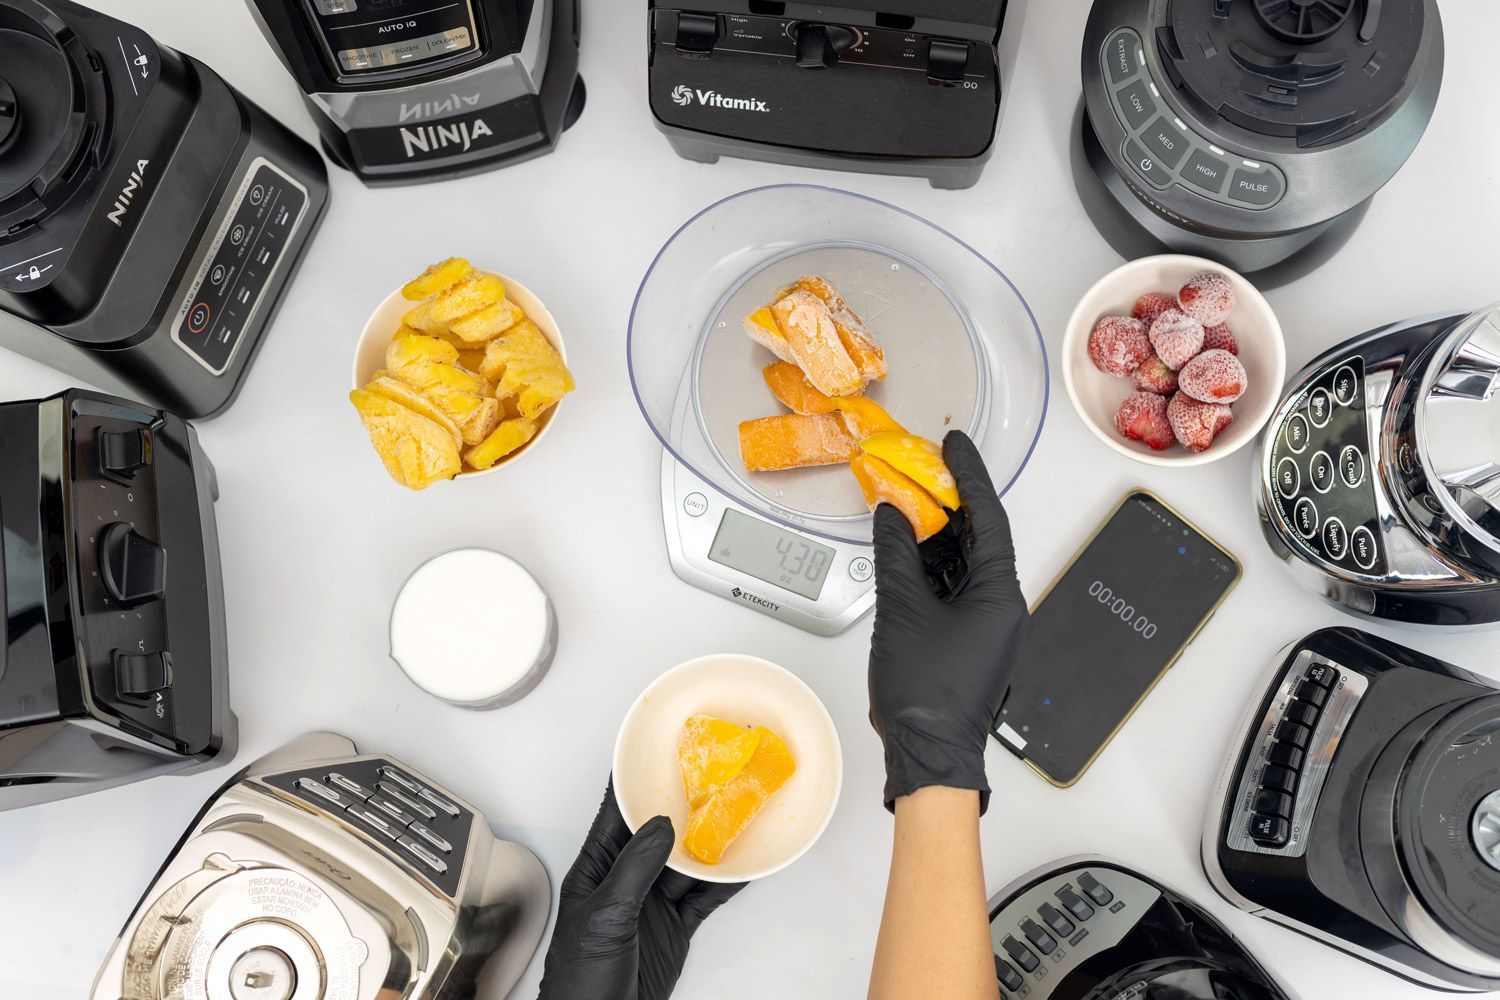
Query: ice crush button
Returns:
{"type": "Point", "coordinates": [1352, 465]}
{"type": "Point", "coordinates": [1137, 104]}
{"type": "Point", "coordinates": [1122, 54]}
{"type": "Point", "coordinates": [1147, 165]}
{"type": "Point", "coordinates": [1206, 171]}
{"type": "Point", "coordinates": [1258, 187]}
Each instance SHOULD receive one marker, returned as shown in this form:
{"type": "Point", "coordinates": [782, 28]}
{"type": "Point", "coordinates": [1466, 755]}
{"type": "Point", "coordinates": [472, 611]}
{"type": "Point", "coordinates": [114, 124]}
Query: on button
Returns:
{"type": "Point", "coordinates": [1146, 165]}
{"type": "Point", "coordinates": [198, 316]}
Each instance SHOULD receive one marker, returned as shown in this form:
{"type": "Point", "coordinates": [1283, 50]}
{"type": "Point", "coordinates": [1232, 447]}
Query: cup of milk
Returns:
{"type": "Point", "coordinates": [473, 628]}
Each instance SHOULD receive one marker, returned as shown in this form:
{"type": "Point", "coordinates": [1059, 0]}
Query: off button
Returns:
{"type": "Point", "coordinates": [198, 317]}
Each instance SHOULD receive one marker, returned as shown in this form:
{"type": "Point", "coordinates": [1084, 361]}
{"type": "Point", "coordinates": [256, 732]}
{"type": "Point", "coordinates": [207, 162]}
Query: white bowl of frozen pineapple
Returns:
{"type": "Point", "coordinates": [458, 374]}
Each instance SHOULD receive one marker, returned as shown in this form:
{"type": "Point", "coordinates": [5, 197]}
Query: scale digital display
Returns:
{"type": "Point", "coordinates": [771, 554]}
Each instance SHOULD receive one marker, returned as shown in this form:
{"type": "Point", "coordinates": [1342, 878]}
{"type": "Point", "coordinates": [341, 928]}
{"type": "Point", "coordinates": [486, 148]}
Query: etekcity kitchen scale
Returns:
{"type": "Point", "coordinates": [796, 544]}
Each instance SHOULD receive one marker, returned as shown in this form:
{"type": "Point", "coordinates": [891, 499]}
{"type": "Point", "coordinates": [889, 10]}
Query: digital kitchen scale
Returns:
{"type": "Point", "coordinates": [796, 544]}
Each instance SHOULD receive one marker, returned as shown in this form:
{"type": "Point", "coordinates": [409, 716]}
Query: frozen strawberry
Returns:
{"type": "Point", "coordinates": [1118, 345]}
{"type": "Point", "coordinates": [1143, 417]}
{"type": "Point", "coordinates": [1195, 423]}
{"type": "Point", "coordinates": [1177, 338]}
{"type": "Point", "coordinates": [1152, 305]}
{"type": "Point", "coordinates": [1154, 376]}
{"type": "Point", "coordinates": [1218, 338]}
{"type": "Point", "coordinates": [1208, 297]}
{"type": "Point", "coordinates": [1213, 377]}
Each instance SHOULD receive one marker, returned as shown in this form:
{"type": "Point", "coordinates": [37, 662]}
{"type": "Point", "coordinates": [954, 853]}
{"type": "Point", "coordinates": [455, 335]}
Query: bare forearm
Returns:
{"type": "Point", "coordinates": [934, 935]}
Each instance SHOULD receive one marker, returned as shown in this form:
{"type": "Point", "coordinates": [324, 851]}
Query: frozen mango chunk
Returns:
{"type": "Point", "coordinates": [436, 278]}
{"type": "Point", "coordinates": [726, 813]}
{"type": "Point", "coordinates": [762, 327]}
{"type": "Point", "coordinates": [865, 417]}
{"type": "Point", "coordinates": [470, 295]}
{"type": "Point", "coordinates": [527, 368]}
{"type": "Point", "coordinates": [417, 452]}
{"type": "Point", "coordinates": [710, 753]}
{"type": "Point", "coordinates": [487, 323]}
{"type": "Point", "coordinates": [415, 348]}
{"type": "Point", "coordinates": [794, 441]}
{"type": "Point", "coordinates": [505, 439]}
{"type": "Point", "coordinates": [792, 389]}
{"type": "Point", "coordinates": [919, 459]}
{"type": "Point", "coordinates": [883, 484]}
{"type": "Point", "coordinates": [855, 336]}
{"type": "Point", "coordinates": [397, 391]}
{"type": "Point", "coordinates": [815, 344]}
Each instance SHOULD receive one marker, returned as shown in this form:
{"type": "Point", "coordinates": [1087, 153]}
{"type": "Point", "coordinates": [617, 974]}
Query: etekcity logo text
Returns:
{"type": "Point", "coordinates": [684, 96]}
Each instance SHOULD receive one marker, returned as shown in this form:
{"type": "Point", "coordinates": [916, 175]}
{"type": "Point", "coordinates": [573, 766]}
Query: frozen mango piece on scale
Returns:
{"type": "Point", "coordinates": [919, 459]}
{"type": "Point", "coordinates": [794, 441]}
{"type": "Point", "coordinates": [815, 344]}
{"type": "Point", "coordinates": [865, 418]}
{"type": "Point", "coordinates": [856, 337]}
{"type": "Point", "coordinates": [488, 323]}
{"type": "Point", "coordinates": [387, 385]}
{"type": "Point", "coordinates": [416, 348]}
{"type": "Point", "coordinates": [436, 278]}
{"type": "Point", "coordinates": [417, 452]}
{"type": "Point", "coordinates": [505, 439]}
{"type": "Point", "coordinates": [882, 484]}
{"type": "Point", "coordinates": [726, 813]}
{"type": "Point", "coordinates": [792, 389]}
{"type": "Point", "coordinates": [710, 753]}
{"type": "Point", "coordinates": [762, 327]}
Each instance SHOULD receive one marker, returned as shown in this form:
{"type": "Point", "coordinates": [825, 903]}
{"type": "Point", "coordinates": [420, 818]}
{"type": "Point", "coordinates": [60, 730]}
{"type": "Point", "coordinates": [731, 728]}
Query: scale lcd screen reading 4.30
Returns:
{"type": "Point", "coordinates": [766, 552]}
{"type": "Point", "coordinates": [1106, 631]}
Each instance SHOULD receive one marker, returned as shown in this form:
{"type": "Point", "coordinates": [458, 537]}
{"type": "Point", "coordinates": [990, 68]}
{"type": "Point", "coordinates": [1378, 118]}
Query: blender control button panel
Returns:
{"type": "Point", "coordinates": [1042, 932]}
{"type": "Point", "coordinates": [236, 267]}
{"type": "Point", "coordinates": [1319, 474]}
{"type": "Point", "coordinates": [393, 809]}
{"type": "Point", "coordinates": [1163, 150]}
{"type": "Point", "coordinates": [1288, 757]}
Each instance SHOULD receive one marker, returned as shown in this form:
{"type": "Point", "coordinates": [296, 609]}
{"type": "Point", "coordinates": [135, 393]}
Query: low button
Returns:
{"type": "Point", "coordinates": [1296, 433]}
{"type": "Point", "coordinates": [434, 863]}
{"type": "Point", "coordinates": [1362, 545]}
{"type": "Point", "coordinates": [1335, 539]}
{"type": "Point", "coordinates": [1122, 53]}
{"type": "Point", "coordinates": [1288, 478]}
{"type": "Point", "coordinates": [1147, 165]}
{"type": "Point", "coordinates": [1305, 517]}
{"type": "Point", "coordinates": [1320, 472]}
{"type": "Point", "coordinates": [1206, 171]}
{"type": "Point", "coordinates": [1166, 142]}
{"type": "Point", "coordinates": [1136, 104]}
{"type": "Point", "coordinates": [432, 837]}
{"type": "Point", "coordinates": [1258, 188]}
{"type": "Point", "coordinates": [1352, 465]}
{"type": "Point", "coordinates": [1319, 407]}
{"type": "Point", "coordinates": [1345, 385]}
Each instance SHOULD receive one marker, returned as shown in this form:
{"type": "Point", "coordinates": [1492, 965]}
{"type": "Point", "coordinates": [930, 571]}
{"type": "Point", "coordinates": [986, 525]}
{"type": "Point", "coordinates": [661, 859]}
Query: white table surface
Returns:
{"type": "Point", "coordinates": [316, 539]}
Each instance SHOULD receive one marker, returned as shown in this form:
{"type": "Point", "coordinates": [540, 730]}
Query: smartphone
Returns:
{"type": "Point", "coordinates": [1106, 630]}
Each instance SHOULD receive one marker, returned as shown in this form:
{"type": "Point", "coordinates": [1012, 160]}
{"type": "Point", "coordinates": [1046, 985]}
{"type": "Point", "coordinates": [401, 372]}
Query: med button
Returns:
{"type": "Point", "coordinates": [1257, 187]}
{"type": "Point", "coordinates": [1165, 141]}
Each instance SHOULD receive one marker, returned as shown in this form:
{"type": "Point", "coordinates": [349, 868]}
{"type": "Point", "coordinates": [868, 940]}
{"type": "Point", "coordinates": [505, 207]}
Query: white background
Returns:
{"type": "Point", "coordinates": [316, 539]}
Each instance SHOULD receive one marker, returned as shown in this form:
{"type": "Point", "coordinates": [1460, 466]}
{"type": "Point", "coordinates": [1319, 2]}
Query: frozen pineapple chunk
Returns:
{"type": "Point", "coordinates": [726, 814]}
{"type": "Point", "coordinates": [487, 323]}
{"type": "Point", "coordinates": [417, 452]}
{"type": "Point", "coordinates": [414, 349]}
{"type": "Point", "coordinates": [387, 385]}
{"type": "Point", "coordinates": [710, 753]}
{"type": "Point", "coordinates": [468, 296]}
{"type": "Point", "coordinates": [527, 367]}
{"type": "Point", "coordinates": [505, 439]}
{"type": "Point", "coordinates": [436, 278]}
{"type": "Point", "coordinates": [462, 395]}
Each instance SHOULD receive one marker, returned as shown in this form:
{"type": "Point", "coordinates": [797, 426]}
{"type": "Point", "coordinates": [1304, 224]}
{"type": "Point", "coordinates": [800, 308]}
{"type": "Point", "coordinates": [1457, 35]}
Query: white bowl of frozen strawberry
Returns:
{"type": "Point", "coordinates": [1174, 360]}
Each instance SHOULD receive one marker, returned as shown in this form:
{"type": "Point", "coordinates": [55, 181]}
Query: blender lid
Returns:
{"type": "Point", "coordinates": [1315, 71]}
{"type": "Point", "coordinates": [52, 112]}
{"type": "Point", "coordinates": [1446, 832]}
{"type": "Point", "coordinates": [1457, 422]}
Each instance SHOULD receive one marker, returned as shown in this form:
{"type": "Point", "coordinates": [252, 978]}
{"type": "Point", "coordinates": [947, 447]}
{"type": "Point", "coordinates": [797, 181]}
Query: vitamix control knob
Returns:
{"type": "Point", "coordinates": [133, 568]}
{"type": "Point", "coordinates": [819, 45]}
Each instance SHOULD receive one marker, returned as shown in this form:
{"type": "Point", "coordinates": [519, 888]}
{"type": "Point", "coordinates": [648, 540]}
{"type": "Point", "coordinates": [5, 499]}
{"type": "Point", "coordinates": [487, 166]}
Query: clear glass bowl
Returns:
{"type": "Point", "coordinates": [963, 348]}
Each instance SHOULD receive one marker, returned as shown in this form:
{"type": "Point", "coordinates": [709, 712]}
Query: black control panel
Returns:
{"type": "Point", "coordinates": [1322, 476]}
{"type": "Point", "coordinates": [242, 258]}
{"type": "Point", "coordinates": [1164, 151]}
{"type": "Point", "coordinates": [369, 36]}
{"type": "Point", "coordinates": [415, 823]}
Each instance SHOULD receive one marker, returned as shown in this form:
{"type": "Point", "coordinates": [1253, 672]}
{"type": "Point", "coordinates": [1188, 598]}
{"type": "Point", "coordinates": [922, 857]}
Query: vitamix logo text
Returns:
{"type": "Point", "coordinates": [684, 96]}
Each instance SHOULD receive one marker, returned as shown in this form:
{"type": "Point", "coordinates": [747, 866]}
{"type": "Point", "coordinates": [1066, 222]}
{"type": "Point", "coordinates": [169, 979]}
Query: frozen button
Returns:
{"type": "Point", "coordinates": [1352, 465]}
{"type": "Point", "coordinates": [1136, 104]}
{"type": "Point", "coordinates": [1166, 142]}
{"type": "Point", "coordinates": [1362, 547]}
{"type": "Point", "coordinates": [1288, 478]}
{"type": "Point", "coordinates": [1345, 385]}
{"type": "Point", "coordinates": [1147, 165]}
{"type": "Point", "coordinates": [1207, 171]}
{"type": "Point", "coordinates": [1122, 53]}
{"type": "Point", "coordinates": [1320, 472]}
{"type": "Point", "coordinates": [1335, 539]}
{"type": "Point", "coordinates": [1258, 187]}
{"type": "Point", "coordinates": [1296, 433]}
{"type": "Point", "coordinates": [1305, 517]}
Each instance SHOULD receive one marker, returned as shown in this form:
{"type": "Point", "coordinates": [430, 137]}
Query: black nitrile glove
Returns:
{"type": "Point", "coordinates": [949, 621]}
{"type": "Point", "coordinates": [624, 923]}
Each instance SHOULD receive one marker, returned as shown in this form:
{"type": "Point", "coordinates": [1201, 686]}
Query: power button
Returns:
{"type": "Point", "coordinates": [197, 318]}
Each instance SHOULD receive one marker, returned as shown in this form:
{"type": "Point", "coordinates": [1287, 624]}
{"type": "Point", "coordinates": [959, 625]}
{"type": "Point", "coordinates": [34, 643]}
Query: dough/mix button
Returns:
{"type": "Point", "coordinates": [1297, 433]}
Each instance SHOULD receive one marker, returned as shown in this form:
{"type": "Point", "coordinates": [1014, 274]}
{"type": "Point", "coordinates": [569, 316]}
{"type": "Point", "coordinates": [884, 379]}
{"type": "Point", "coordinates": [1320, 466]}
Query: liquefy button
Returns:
{"type": "Point", "coordinates": [1335, 539]}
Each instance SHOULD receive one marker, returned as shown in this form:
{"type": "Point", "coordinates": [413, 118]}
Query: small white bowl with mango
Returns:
{"type": "Point", "coordinates": [458, 374]}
